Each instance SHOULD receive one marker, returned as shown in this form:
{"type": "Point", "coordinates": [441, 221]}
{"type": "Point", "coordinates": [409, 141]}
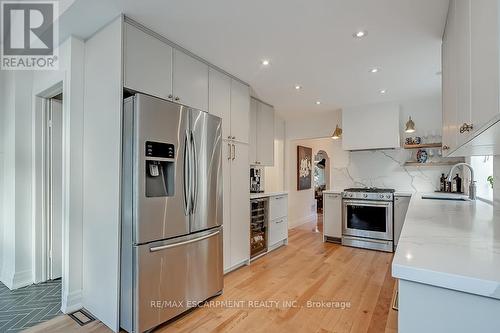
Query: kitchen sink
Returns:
{"type": "Point", "coordinates": [445, 196]}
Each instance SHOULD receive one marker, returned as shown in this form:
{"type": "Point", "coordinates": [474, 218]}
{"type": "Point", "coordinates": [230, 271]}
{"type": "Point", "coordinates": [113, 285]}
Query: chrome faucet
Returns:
{"type": "Point", "coordinates": [472, 185]}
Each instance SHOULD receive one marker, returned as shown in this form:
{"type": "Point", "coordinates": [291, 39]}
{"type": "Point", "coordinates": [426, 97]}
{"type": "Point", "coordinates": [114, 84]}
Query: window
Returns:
{"type": "Point", "coordinates": [483, 169]}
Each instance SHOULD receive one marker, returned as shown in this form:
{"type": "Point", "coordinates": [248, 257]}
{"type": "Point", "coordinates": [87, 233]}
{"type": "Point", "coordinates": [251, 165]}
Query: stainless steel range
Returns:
{"type": "Point", "coordinates": [367, 218]}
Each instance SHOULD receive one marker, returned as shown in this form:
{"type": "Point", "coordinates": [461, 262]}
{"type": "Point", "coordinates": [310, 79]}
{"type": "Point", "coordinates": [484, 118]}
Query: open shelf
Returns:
{"type": "Point", "coordinates": [430, 164]}
{"type": "Point", "coordinates": [424, 145]}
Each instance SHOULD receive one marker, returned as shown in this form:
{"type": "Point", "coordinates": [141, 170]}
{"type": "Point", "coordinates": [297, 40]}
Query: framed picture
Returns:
{"type": "Point", "coordinates": [304, 168]}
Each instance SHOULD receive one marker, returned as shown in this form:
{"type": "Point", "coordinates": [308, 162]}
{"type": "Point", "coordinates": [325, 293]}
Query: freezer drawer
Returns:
{"type": "Point", "coordinates": [171, 276]}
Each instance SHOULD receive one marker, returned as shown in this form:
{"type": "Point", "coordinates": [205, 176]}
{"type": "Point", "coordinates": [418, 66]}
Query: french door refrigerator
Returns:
{"type": "Point", "coordinates": [171, 251]}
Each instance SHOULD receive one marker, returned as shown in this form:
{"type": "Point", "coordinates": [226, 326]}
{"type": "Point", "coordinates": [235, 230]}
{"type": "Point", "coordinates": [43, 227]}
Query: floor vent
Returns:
{"type": "Point", "coordinates": [82, 317]}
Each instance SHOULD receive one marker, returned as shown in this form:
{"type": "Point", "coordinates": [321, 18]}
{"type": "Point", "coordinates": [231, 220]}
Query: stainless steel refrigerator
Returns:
{"type": "Point", "coordinates": [171, 250]}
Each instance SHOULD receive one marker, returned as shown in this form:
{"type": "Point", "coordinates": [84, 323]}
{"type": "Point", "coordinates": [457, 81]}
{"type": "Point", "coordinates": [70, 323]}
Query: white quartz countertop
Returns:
{"type": "Point", "coordinates": [266, 194]}
{"type": "Point", "coordinates": [450, 244]}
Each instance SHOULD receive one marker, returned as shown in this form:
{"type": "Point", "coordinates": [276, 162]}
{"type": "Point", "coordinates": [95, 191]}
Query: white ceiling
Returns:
{"type": "Point", "coordinates": [308, 42]}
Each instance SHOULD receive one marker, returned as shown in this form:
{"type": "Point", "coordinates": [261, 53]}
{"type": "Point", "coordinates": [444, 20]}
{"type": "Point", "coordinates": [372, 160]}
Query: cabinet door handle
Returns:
{"type": "Point", "coordinates": [229, 152]}
{"type": "Point", "coordinates": [445, 147]}
{"type": "Point", "coordinates": [177, 98]}
{"type": "Point", "coordinates": [466, 128]}
{"type": "Point", "coordinates": [234, 152]}
{"type": "Point", "coordinates": [170, 96]}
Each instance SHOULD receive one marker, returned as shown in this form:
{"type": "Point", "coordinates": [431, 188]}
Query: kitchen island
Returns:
{"type": "Point", "coordinates": [448, 265]}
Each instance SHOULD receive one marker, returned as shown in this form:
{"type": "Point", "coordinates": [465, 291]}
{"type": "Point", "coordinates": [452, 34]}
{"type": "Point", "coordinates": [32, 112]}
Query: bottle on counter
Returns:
{"type": "Point", "coordinates": [447, 186]}
{"type": "Point", "coordinates": [457, 184]}
{"type": "Point", "coordinates": [442, 183]}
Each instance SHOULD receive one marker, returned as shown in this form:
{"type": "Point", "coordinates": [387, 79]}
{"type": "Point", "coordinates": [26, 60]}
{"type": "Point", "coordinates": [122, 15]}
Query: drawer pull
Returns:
{"type": "Point", "coordinates": [280, 221]}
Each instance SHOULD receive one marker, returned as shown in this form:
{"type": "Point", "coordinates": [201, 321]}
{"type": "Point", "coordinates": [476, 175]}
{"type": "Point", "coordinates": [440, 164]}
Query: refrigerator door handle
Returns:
{"type": "Point", "coordinates": [194, 192]}
{"type": "Point", "coordinates": [187, 175]}
{"type": "Point", "coordinates": [194, 240]}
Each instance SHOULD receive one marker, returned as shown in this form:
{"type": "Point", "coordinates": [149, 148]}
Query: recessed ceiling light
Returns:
{"type": "Point", "coordinates": [374, 70]}
{"type": "Point", "coordinates": [360, 34]}
{"type": "Point", "coordinates": [318, 102]}
{"type": "Point", "coordinates": [298, 87]}
{"type": "Point", "coordinates": [265, 62]}
{"type": "Point", "coordinates": [383, 91]}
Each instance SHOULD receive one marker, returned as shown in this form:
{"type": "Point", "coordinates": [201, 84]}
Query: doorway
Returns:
{"type": "Point", "coordinates": [321, 179]}
{"type": "Point", "coordinates": [53, 184]}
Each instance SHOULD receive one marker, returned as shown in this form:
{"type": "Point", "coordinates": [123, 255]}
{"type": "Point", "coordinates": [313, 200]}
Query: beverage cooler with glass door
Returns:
{"type": "Point", "coordinates": [258, 226]}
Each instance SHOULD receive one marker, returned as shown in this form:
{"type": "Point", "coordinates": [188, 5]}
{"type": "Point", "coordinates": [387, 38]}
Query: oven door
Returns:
{"type": "Point", "coordinates": [370, 219]}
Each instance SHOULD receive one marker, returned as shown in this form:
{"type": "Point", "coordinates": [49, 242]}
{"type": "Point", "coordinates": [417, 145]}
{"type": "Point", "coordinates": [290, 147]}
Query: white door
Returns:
{"type": "Point", "coordinates": [240, 111]}
{"type": "Point", "coordinates": [240, 205]}
{"type": "Point", "coordinates": [147, 63]}
{"type": "Point", "coordinates": [332, 218]}
{"type": "Point", "coordinates": [219, 99]}
{"type": "Point", "coordinates": [55, 198]}
{"type": "Point", "coordinates": [252, 135]}
{"type": "Point", "coordinates": [265, 135]}
{"type": "Point", "coordinates": [190, 81]}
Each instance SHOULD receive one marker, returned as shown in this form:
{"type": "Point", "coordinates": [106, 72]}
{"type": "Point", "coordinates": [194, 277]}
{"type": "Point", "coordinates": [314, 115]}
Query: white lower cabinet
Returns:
{"type": "Point", "coordinates": [401, 204]}
{"type": "Point", "coordinates": [236, 208]}
{"type": "Point", "coordinates": [278, 221]}
{"type": "Point", "coordinates": [332, 217]}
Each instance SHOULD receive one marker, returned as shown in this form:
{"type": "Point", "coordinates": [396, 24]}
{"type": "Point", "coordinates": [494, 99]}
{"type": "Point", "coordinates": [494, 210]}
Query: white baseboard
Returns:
{"type": "Point", "coordinates": [72, 301]}
{"type": "Point", "coordinates": [304, 220]}
{"type": "Point", "coordinates": [18, 279]}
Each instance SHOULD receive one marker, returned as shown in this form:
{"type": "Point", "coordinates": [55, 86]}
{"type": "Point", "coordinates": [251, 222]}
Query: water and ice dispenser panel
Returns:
{"type": "Point", "coordinates": [160, 170]}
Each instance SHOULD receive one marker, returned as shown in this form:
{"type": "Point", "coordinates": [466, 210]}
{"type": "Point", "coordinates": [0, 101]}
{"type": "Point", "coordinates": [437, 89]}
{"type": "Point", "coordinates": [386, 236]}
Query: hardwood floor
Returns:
{"type": "Point", "coordinates": [305, 270]}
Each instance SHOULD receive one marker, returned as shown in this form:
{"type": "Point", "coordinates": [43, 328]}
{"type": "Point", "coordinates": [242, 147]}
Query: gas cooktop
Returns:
{"type": "Point", "coordinates": [370, 190]}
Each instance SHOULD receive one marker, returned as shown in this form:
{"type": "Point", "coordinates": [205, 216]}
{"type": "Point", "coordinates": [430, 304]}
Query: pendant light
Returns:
{"type": "Point", "coordinates": [337, 133]}
{"type": "Point", "coordinates": [410, 126]}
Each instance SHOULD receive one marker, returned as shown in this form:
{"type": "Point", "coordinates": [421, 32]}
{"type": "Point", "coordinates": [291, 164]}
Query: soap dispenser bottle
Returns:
{"type": "Point", "coordinates": [442, 183]}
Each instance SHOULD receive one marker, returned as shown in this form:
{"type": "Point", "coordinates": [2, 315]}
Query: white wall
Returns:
{"type": "Point", "coordinates": [301, 204]}
{"type": "Point", "coordinates": [274, 177]}
{"type": "Point", "coordinates": [101, 173]}
{"type": "Point", "coordinates": [16, 243]}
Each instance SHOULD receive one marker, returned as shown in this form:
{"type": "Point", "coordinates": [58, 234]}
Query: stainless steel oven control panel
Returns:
{"type": "Point", "coordinates": [368, 196]}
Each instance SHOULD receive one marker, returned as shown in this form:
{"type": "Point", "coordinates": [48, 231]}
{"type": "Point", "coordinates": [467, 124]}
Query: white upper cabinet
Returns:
{"type": "Point", "coordinates": [240, 111]}
{"type": "Point", "coordinates": [449, 82]}
{"type": "Point", "coordinates": [485, 72]}
{"type": "Point", "coordinates": [261, 133]}
{"type": "Point", "coordinates": [147, 63]}
{"type": "Point", "coordinates": [219, 99]}
{"type": "Point", "coordinates": [471, 74]}
{"type": "Point", "coordinates": [252, 142]}
{"type": "Point", "coordinates": [265, 135]}
{"type": "Point", "coordinates": [190, 81]}
{"type": "Point", "coordinates": [373, 126]}
{"type": "Point", "coordinates": [463, 66]}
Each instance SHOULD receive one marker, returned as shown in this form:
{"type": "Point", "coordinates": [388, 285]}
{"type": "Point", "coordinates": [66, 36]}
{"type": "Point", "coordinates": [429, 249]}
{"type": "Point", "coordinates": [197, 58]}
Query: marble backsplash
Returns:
{"type": "Point", "coordinates": [384, 168]}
